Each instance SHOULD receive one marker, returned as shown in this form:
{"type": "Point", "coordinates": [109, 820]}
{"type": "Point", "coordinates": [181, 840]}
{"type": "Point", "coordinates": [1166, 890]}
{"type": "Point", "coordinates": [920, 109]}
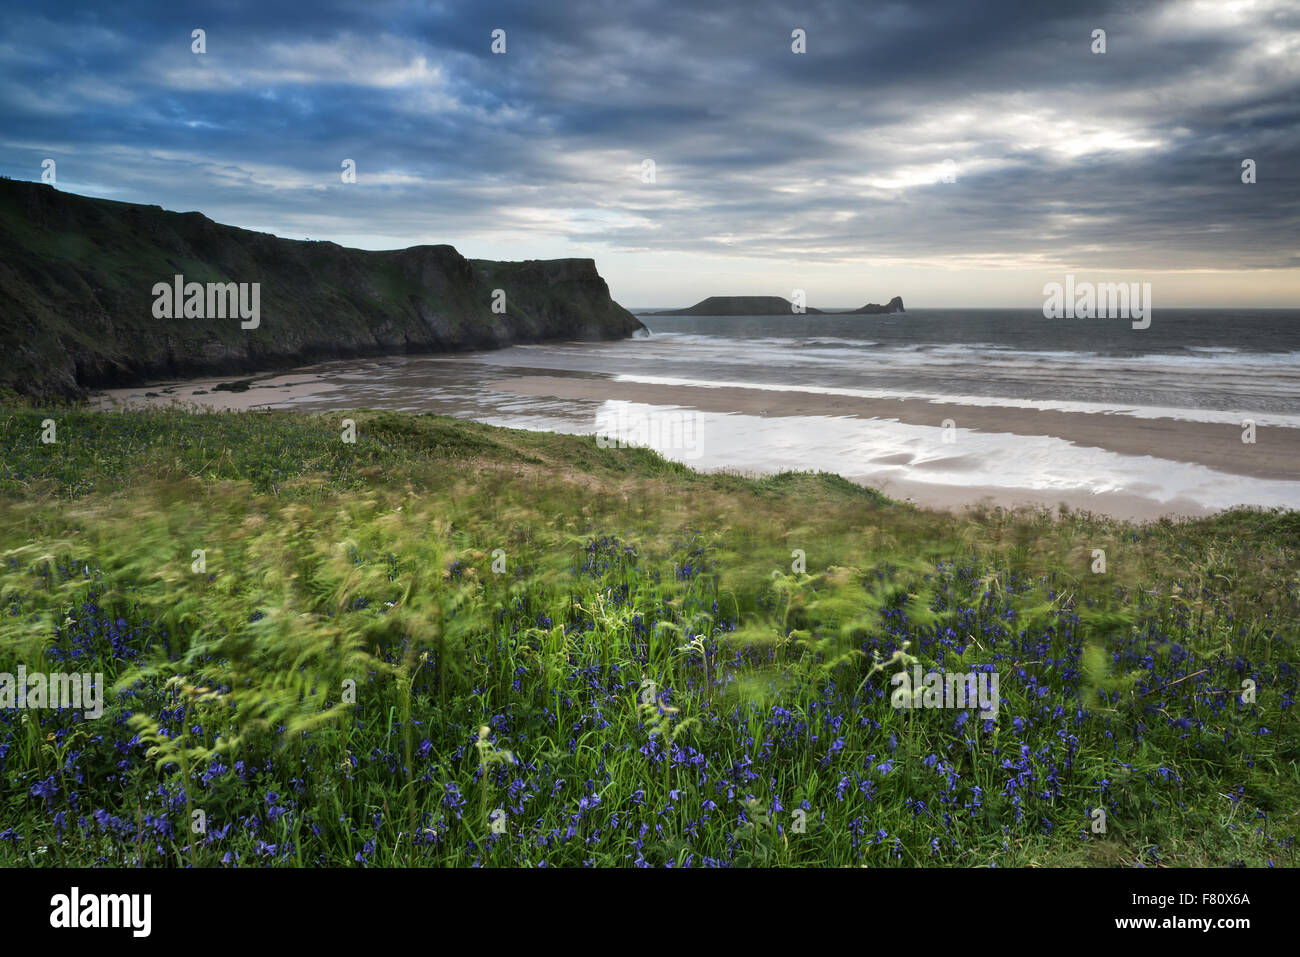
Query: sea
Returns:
{"type": "Point", "coordinates": [1194, 361]}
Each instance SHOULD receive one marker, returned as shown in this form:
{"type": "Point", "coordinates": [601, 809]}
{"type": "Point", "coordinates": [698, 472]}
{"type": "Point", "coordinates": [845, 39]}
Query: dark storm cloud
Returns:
{"type": "Point", "coordinates": [1127, 159]}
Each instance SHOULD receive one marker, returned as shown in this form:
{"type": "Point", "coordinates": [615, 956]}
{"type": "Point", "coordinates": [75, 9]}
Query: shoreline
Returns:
{"type": "Point", "coordinates": [1217, 447]}
{"type": "Point", "coordinates": [1275, 454]}
{"type": "Point", "coordinates": [1125, 506]}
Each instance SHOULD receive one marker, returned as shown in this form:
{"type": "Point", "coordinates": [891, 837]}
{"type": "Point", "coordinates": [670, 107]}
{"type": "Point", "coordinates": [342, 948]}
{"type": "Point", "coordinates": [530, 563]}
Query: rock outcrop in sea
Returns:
{"type": "Point", "coordinates": [740, 306]}
{"type": "Point", "coordinates": [769, 306]}
{"type": "Point", "coordinates": [871, 309]}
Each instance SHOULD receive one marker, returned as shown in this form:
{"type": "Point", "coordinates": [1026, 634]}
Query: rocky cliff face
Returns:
{"type": "Point", "coordinates": [79, 306]}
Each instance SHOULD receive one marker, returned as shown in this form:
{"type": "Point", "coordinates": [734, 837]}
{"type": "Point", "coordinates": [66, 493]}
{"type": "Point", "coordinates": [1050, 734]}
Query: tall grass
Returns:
{"type": "Point", "coordinates": [353, 679]}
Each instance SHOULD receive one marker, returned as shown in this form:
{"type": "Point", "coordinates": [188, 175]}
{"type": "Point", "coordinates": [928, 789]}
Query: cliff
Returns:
{"type": "Point", "coordinates": [79, 309]}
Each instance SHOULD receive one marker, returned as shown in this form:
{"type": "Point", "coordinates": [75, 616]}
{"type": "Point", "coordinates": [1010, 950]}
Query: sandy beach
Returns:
{"type": "Point", "coordinates": [1274, 455]}
{"type": "Point", "coordinates": [750, 421]}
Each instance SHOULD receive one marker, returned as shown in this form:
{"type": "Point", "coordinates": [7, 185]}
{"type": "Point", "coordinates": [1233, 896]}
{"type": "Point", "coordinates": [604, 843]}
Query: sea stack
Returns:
{"type": "Point", "coordinates": [871, 309]}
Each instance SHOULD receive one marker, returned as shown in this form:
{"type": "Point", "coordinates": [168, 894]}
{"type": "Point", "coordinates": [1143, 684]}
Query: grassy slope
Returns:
{"type": "Point", "coordinates": [373, 563]}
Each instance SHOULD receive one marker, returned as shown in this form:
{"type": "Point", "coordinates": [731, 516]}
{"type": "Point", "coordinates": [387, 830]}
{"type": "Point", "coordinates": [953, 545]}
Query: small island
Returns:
{"type": "Point", "coordinates": [770, 306]}
{"type": "Point", "coordinates": [739, 306]}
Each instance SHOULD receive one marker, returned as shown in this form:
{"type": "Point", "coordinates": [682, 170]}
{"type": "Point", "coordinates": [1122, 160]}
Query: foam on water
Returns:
{"type": "Point", "coordinates": [1152, 412]}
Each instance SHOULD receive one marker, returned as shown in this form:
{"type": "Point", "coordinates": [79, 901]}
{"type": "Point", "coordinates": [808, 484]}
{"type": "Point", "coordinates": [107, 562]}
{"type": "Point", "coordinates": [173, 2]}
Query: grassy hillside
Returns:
{"type": "Point", "coordinates": [391, 641]}
{"type": "Point", "coordinates": [77, 278]}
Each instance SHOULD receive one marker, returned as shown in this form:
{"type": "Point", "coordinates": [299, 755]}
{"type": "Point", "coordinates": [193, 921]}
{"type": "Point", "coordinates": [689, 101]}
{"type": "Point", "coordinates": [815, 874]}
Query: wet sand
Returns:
{"type": "Point", "coordinates": [266, 391]}
{"type": "Point", "coordinates": [1274, 455]}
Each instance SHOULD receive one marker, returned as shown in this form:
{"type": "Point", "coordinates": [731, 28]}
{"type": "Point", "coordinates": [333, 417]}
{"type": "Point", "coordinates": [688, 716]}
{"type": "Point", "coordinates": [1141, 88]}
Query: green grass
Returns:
{"type": "Point", "coordinates": [317, 690]}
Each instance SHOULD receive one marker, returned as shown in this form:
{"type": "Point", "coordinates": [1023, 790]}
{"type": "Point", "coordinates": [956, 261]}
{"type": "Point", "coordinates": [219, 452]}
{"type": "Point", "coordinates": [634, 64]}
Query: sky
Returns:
{"type": "Point", "coordinates": [954, 153]}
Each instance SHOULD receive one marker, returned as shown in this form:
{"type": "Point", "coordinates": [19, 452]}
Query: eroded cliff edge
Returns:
{"type": "Point", "coordinates": [77, 278]}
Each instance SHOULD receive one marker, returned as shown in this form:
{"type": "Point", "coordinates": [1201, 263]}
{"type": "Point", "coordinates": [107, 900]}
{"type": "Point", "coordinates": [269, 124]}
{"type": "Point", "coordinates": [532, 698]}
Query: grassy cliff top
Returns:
{"type": "Point", "coordinates": [77, 298]}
